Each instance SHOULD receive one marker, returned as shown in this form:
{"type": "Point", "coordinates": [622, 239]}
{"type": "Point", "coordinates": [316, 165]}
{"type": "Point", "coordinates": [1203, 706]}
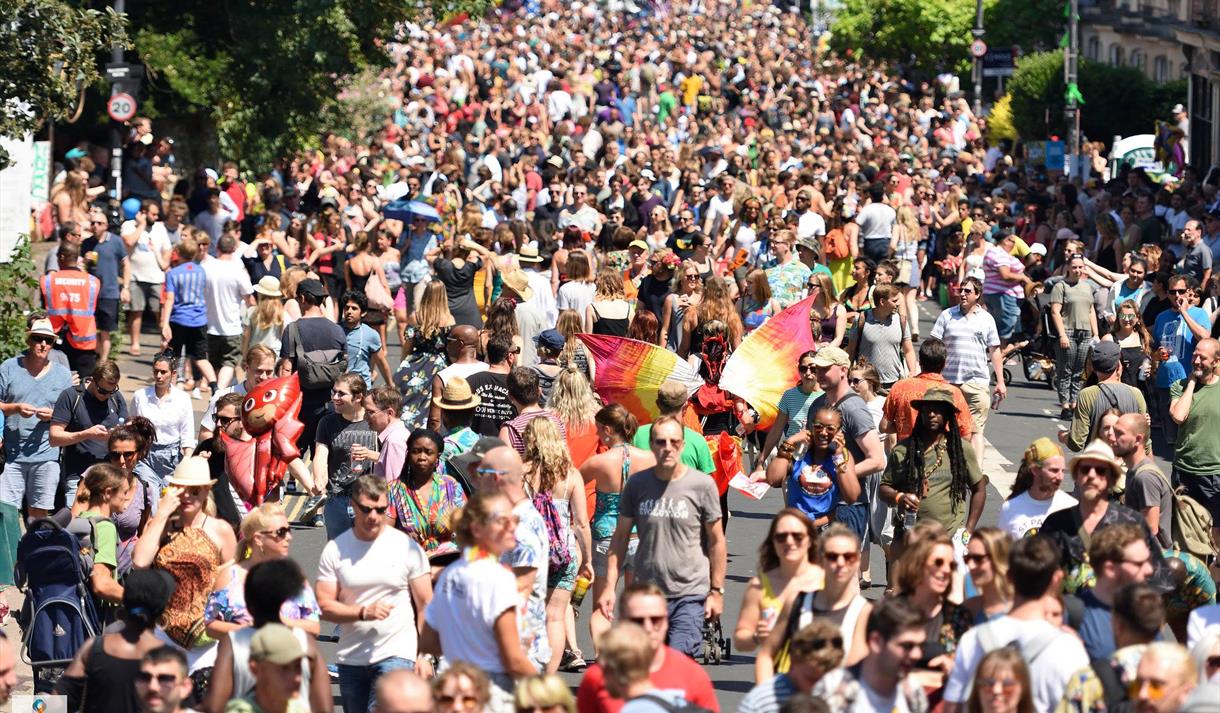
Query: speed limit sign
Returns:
{"type": "Point", "coordinates": [121, 106]}
{"type": "Point", "coordinates": [978, 48]}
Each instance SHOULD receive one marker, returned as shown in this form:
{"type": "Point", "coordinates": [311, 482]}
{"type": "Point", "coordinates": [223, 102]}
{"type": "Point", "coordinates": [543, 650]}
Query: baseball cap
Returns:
{"type": "Point", "coordinates": [313, 288]}
{"type": "Point", "coordinates": [831, 356]}
{"type": "Point", "coordinates": [1106, 356]}
{"type": "Point", "coordinates": [550, 339]}
{"type": "Point", "coordinates": [276, 644]}
{"type": "Point", "coordinates": [1037, 249]}
{"type": "Point", "coordinates": [638, 244]}
{"type": "Point", "coordinates": [459, 464]}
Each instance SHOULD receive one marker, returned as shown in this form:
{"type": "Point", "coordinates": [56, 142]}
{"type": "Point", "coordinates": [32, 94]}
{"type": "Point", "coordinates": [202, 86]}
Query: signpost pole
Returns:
{"type": "Point", "coordinates": [1071, 77]}
{"type": "Point", "coordinates": [978, 61]}
{"type": "Point", "coordinates": [116, 132]}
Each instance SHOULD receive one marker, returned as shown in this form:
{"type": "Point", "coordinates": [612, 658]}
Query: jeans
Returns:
{"type": "Point", "coordinates": [337, 515]}
{"type": "Point", "coordinates": [356, 682]}
{"type": "Point", "coordinates": [876, 249]}
{"type": "Point", "coordinates": [1006, 313]}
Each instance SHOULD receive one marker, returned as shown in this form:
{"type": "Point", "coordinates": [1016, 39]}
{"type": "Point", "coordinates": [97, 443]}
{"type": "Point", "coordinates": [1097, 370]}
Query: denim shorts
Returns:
{"type": "Point", "coordinates": [601, 552]}
{"type": "Point", "coordinates": [1005, 312]}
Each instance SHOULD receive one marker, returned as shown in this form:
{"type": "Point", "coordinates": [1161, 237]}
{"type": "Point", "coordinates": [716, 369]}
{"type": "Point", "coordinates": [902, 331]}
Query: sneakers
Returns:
{"type": "Point", "coordinates": [195, 394]}
{"type": "Point", "coordinates": [572, 662]}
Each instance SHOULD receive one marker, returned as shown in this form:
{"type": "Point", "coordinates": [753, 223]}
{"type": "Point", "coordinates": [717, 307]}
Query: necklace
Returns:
{"type": "Point", "coordinates": [940, 449]}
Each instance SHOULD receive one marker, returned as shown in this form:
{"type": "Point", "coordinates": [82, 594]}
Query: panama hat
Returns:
{"type": "Point", "coordinates": [1099, 452]}
{"type": "Point", "coordinates": [192, 472]}
{"type": "Point", "coordinates": [529, 253]}
{"type": "Point", "coordinates": [456, 396]}
{"type": "Point", "coordinates": [516, 281]}
{"type": "Point", "coordinates": [269, 286]}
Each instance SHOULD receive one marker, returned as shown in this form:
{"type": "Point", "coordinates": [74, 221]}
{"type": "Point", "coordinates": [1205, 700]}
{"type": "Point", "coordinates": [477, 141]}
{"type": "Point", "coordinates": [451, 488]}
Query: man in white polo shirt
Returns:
{"type": "Point", "coordinates": [970, 336]}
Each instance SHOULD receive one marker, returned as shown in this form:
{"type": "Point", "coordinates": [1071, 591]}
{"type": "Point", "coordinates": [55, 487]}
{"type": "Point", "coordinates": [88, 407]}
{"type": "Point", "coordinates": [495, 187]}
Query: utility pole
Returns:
{"type": "Point", "coordinates": [1071, 57]}
{"type": "Point", "coordinates": [978, 33]}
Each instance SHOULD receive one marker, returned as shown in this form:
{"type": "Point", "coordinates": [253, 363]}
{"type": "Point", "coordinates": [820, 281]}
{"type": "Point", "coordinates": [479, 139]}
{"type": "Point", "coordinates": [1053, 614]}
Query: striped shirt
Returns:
{"type": "Point", "coordinates": [187, 283]}
{"type": "Point", "coordinates": [795, 405]}
{"type": "Point", "coordinates": [967, 339]}
{"type": "Point", "coordinates": [768, 696]}
{"type": "Point", "coordinates": [993, 284]}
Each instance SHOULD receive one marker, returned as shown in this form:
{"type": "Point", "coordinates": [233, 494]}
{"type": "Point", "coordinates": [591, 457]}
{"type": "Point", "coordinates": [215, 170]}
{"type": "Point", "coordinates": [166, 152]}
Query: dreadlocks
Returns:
{"type": "Point", "coordinates": [959, 485]}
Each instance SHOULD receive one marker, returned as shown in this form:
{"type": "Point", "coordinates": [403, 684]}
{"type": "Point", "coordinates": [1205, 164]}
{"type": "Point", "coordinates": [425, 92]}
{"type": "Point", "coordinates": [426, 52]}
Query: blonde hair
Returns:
{"type": "Point", "coordinates": [547, 453]}
{"type": "Point", "coordinates": [609, 285]}
{"type": "Point", "coordinates": [99, 478]}
{"type": "Point", "coordinates": [545, 691]}
{"type": "Point", "coordinates": [433, 314]}
{"type": "Point", "coordinates": [477, 511]}
{"type": "Point", "coordinates": [569, 324]}
{"type": "Point", "coordinates": [268, 312]}
{"type": "Point", "coordinates": [255, 523]}
{"type": "Point", "coordinates": [290, 279]}
{"type": "Point", "coordinates": [996, 544]}
{"type": "Point", "coordinates": [625, 652]}
{"type": "Point", "coordinates": [572, 398]}
{"type": "Point", "coordinates": [717, 306]}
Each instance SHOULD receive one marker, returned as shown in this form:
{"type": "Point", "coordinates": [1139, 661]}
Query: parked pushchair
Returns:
{"type": "Point", "coordinates": [1033, 346]}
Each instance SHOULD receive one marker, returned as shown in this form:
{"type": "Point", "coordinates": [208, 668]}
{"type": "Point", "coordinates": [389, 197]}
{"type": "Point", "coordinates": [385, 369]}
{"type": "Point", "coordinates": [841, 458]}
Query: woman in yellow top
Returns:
{"type": "Point", "coordinates": [786, 566]}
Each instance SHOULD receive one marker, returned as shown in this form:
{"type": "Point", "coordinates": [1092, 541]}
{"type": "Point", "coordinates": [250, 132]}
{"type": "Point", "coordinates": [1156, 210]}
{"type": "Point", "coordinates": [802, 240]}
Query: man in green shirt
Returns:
{"type": "Point", "coordinates": [671, 401]}
{"type": "Point", "coordinates": [275, 661]}
{"type": "Point", "coordinates": [1195, 406]}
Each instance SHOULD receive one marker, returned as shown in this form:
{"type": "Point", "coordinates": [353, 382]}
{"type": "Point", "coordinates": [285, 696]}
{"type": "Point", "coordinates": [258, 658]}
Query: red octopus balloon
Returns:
{"type": "Point", "coordinates": [269, 413]}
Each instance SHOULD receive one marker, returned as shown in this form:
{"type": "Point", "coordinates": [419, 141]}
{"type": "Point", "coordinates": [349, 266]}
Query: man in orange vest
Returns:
{"type": "Point", "coordinates": [70, 296]}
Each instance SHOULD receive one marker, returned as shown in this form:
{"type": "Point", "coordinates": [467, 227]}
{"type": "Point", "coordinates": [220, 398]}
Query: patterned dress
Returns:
{"type": "Point", "coordinates": [415, 374]}
{"type": "Point", "coordinates": [192, 559]}
{"type": "Point", "coordinates": [228, 604]}
{"type": "Point", "coordinates": [427, 521]}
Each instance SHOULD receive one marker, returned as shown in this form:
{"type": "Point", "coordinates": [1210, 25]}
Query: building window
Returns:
{"type": "Point", "coordinates": [1117, 55]}
{"type": "Point", "coordinates": [1138, 59]}
{"type": "Point", "coordinates": [1093, 48]}
{"type": "Point", "coordinates": [1160, 69]}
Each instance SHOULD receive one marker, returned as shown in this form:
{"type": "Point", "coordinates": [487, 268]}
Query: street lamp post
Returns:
{"type": "Point", "coordinates": [978, 61]}
{"type": "Point", "coordinates": [1071, 59]}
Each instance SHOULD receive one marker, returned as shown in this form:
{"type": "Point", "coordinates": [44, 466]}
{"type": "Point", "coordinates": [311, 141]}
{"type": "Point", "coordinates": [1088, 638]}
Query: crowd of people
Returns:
{"type": "Point", "coordinates": [677, 176]}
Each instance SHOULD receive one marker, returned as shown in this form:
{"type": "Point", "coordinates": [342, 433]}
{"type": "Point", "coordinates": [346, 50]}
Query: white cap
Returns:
{"type": "Point", "coordinates": [1037, 249]}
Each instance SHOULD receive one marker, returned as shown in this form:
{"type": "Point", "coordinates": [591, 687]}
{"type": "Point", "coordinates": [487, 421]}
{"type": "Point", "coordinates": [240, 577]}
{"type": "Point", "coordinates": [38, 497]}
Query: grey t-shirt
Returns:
{"type": "Point", "coordinates": [1195, 262]}
{"type": "Point", "coordinates": [670, 516]}
{"type": "Point", "coordinates": [881, 344]}
{"type": "Point", "coordinates": [876, 221]}
{"type": "Point", "coordinates": [1146, 488]}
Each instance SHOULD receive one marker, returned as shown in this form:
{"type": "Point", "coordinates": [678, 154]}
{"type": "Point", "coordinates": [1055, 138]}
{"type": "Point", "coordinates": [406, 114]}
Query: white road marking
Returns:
{"type": "Point", "coordinates": [998, 469]}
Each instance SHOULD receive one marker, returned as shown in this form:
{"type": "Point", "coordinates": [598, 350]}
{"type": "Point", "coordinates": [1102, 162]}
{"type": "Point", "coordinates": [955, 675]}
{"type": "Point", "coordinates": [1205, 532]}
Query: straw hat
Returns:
{"type": "Point", "coordinates": [269, 286]}
{"type": "Point", "coordinates": [529, 253]}
{"type": "Point", "coordinates": [516, 281]}
{"type": "Point", "coordinates": [456, 396]}
{"type": "Point", "coordinates": [1099, 452]}
{"type": "Point", "coordinates": [192, 472]}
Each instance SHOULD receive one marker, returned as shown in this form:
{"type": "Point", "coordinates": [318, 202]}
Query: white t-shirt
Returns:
{"type": "Point", "coordinates": [227, 286]}
{"type": "Point", "coordinates": [368, 572]}
{"type": "Point", "coordinates": [151, 243]}
{"type": "Point", "coordinates": [1049, 671]}
{"type": "Point", "coordinates": [575, 296]}
{"type": "Point", "coordinates": [1023, 515]}
{"type": "Point", "coordinates": [469, 597]}
{"type": "Point", "coordinates": [1203, 621]}
{"type": "Point", "coordinates": [810, 225]}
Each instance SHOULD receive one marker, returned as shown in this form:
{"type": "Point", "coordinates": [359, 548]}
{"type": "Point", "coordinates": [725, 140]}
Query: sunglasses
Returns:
{"type": "Point", "coordinates": [1177, 292]}
{"type": "Point", "coordinates": [810, 368]}
{"type": "Point", "coordinates": [279, 534]}
{"type": "Point", "coordinates": [942, 562]}
{"type": "Point", "coordinates": [1005, 684]}
{"type": "Point", "coordinates": [965, 292]}
{"type": "Point", "coordinates": [1213, 661]}
{"type": "Point", "coordinates": [458, 700]}
{"type": "Point", "coordinates": [796, 537]}
{"type": "Point", "coordinates": [854, 380]}
{"type": "Point", "coordinates": [41, 339]}
{"type": "Point", "coordinates": [847, 557]}
{"type": "Point", "coordinates": [164, 679]}
{"type": "Point", "coordinates": [490, 471]}
{"type": "Point", "coordinates": [648, 621]}
{"type": "Point", "coordinates": [818, 644]}
{"type": "Point", "coordinates": [369, 510]}
{"type": "Point", "coordinates": [224, 421]}
{"type": "Point", "coordinates": [105, 392]}
{"type": "Point", "coordinates": [975, 560]}
{"type": "Point", "coordinates": [121, 455]}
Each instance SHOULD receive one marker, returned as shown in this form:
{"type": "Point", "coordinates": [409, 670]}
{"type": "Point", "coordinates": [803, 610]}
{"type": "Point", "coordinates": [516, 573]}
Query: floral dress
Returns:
{"type": "Point", "coordinates": [415, 374]}
{"type": "Point", "coordinates": [427, 521]}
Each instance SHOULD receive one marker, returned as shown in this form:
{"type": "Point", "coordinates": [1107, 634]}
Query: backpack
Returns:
{"type": "Point", "coordinates": [1114, 693]}
{"type": "Point", "coordinates": [1192, 523]}
{"type": "Point", "coordinates": [59, 613]}
{"type": "Point", "coordinates": [322, 369]}
{"type": "Point", "coordinates": [670, 707]}
{"type": "Point", "coordinates": [835, 246]}
{"type": "Point", "coordinates": [556, 531]}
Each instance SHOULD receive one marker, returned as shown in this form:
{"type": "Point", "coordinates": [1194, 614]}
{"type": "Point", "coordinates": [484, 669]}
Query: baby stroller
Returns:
{"type": "Point", "coordinates": [716, 647]}
{"type": "Point", "coordinates": [59, 612]}
{"type": "Point", "coordinates": [1033, 346]}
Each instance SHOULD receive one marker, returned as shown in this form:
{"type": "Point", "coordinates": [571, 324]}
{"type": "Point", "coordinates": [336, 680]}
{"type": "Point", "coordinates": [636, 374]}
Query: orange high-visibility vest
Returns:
{"type": "Point", "coordinates": [71, 299]}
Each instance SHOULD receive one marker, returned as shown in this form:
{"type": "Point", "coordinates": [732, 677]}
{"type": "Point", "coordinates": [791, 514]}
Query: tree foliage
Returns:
{"type": "Point", "coordinates": [936, 36]}
{"type": "Point", "coordinates": [1119, 101]}
{"type": "Point", "coordinates": [48, 54]}
{"type": "Point", "coordinates": [266, 74]}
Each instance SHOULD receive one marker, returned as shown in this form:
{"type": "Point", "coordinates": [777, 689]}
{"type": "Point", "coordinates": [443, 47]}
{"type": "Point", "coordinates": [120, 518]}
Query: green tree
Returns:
{"type": "Point", "coordinates": [936, 36]}
{"type": "Point", "coordinates": [266, 75]}
{"type": "Point", "coordinates": [1119, 101]}
{"type": "Point", "coordinates": [19, 284]}
{"type": "Point", "coordinates": [48, 55]}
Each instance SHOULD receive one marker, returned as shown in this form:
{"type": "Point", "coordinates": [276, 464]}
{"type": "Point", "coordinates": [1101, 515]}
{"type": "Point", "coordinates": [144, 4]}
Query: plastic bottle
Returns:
{"type": "Point", "coordinates": [579, 591]}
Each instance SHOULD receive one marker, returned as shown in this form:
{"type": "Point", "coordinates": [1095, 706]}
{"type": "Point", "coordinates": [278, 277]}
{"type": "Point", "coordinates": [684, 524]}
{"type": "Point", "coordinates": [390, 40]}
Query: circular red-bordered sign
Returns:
{"type": "Point", "coordinates": [978, 48]}
{"type": "Point", "coordinates": [121, 106]}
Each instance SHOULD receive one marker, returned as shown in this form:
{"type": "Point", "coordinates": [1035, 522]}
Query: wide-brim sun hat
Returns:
{"type": "Point", "coordinates": [269, 286]}
{"type": "Point", "coordinates": [456, 396]}
{"type": "Point", "coordinates": [1098, 452]}
{"type": "Point", "coordinates": [192, 472]}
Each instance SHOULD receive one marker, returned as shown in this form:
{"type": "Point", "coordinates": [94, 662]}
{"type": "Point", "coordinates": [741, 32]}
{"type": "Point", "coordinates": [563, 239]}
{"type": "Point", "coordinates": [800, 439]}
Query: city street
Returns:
{"type": "Point", "coordinates": [1024, 415]}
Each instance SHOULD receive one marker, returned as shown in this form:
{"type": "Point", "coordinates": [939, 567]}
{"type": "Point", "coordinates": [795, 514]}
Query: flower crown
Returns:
{"type": "Point", "coordinates": [667, 259]}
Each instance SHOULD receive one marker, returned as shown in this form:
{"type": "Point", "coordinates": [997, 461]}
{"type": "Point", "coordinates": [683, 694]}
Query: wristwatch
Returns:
{"type": "Point", "coordinates": [718, 590]}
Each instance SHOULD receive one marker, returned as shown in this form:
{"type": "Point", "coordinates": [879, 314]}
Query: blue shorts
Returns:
{"type": "Point", "coordinates": [686, 624]}
{"type": "Point", "coordinates": [855, 516]}
{"type": "Point", "coordinates": [1005, 311]}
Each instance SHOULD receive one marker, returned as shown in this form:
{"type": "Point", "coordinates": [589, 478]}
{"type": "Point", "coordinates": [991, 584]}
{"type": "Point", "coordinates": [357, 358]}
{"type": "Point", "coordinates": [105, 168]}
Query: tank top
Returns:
{"type": "Point", "coordinates": [827, 326]}
{"type": "Point", "coordinates": [605, 508]}
{"type": "Point", "coordinates": [103, 671]}
{"type": "Point", "coordinates": [243, 680]}
{"type": "Point", "coordinates": [846, 617]}
{"type": "Point", "coordinates": [605, 325]}
{"type": "Point", "coordinates": [770, 603]}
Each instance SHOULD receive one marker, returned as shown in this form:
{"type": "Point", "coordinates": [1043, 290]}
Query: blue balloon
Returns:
{"type": "Point", "coordinates": [131, 206]}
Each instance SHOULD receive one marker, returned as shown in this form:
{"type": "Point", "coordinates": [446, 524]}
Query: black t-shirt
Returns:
{"type": "Point", "coordinates": [494, 407]}
{"type": "Point", "coordinates": [338, 435]}
{"type": "Point", "coordinates": [79, 410]}
{"type": "Point", "coordinates": [652, 294]}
